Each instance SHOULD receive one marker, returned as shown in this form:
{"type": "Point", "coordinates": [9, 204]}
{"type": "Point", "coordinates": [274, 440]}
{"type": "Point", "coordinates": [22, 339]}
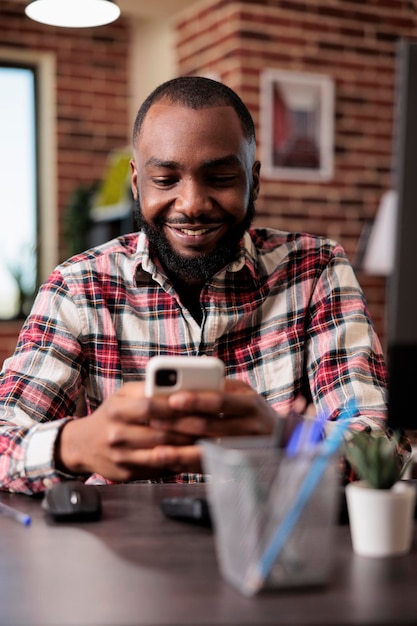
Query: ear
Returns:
{"type": "Point", "coordinates": [133, 179]}
{"type": "Point", "coordinates": [256, 179]}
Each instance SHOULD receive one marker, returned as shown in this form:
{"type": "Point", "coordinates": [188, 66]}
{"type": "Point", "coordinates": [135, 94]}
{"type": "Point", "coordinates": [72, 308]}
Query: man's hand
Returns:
{"type": "Point", "coordinates": [237, 410]}
{"type": "Point", "coordinates": [117, 441]}
{"type": "Point", "coordinates": [131, 437]}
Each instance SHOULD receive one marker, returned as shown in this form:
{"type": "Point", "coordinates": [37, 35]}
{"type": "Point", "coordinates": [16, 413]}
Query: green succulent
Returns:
{"type": "Point", "coordinates": [375, 458]}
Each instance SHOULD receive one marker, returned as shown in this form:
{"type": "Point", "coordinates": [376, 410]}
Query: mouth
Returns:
{"type": "Point", "coordinates": [195, 236]}
{"type": "Point", "coordinates": [194, 233]}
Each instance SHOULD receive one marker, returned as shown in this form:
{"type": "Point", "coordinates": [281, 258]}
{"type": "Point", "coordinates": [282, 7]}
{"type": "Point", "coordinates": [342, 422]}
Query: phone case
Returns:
{"type": "Point", "coordinates": [167, 374]}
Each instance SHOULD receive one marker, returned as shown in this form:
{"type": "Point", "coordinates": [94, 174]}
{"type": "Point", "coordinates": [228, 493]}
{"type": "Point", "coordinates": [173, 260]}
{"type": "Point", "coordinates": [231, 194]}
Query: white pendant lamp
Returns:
{"type": "Point", "coordinates": [73, 13]}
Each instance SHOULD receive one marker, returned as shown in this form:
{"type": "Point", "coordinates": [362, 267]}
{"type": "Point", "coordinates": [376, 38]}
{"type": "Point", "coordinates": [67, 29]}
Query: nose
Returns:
{"type": "Point", "coordinates": [193, 199]}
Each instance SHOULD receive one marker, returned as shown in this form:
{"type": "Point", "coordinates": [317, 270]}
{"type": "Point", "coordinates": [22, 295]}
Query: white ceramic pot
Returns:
{"type": "Point", "coordinates": [381, 520]}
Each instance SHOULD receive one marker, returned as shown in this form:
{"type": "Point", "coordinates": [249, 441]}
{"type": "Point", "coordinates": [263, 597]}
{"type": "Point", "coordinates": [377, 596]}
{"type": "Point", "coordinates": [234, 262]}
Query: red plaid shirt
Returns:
{"type": "Point", "coordinates": [288, 317]}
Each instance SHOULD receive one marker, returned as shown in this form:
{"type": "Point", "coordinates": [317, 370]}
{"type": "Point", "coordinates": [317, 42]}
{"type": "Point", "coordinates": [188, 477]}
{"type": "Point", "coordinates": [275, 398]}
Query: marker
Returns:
{"type": "Point", "coordinates": [22, 518]}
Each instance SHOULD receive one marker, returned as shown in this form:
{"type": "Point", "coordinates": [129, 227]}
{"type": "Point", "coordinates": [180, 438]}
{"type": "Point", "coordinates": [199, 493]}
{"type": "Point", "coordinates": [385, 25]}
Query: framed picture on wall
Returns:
{"type": "Point", "coordinates": [296, 125]}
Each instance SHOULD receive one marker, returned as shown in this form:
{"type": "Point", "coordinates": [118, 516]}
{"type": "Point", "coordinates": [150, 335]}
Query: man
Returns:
{"type": "Point", "coordinates": [283, 311]}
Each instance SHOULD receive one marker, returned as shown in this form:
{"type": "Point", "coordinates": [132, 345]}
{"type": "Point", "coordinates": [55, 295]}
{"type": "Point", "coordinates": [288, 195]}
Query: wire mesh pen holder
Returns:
{"type": "Point", "coordinates": [273, 515]}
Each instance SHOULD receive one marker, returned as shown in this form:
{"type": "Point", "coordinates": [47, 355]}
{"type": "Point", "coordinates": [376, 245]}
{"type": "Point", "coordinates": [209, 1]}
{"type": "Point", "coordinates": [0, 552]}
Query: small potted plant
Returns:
{"type": "Point", "coordinates": [380, 504]}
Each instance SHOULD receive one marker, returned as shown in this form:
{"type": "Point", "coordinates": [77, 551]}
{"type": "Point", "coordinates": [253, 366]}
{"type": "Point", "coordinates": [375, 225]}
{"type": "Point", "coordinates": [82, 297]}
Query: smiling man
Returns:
{"type": "Point", "coordinates": [194, 180]}
{"type": "Point", "coordinates": [282, 310]}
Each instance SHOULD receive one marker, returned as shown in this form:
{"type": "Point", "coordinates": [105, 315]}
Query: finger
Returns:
{"type": "Point", "coordinates": [235, 384]}
{"type": "Point", "coordinates": [188, 426]}
{"type": "Point", "coordinates": [179, 459]}
{"type": "Point", "coordinates": [215, 403]}
{"type": "Point", "coordinates": [137, 437]}
{"type": "Point", "coordinates": [194, 402]}
{"type": "Point", "coordinates": [207, 401]}
{"type": "Point", "coordinates": [217, 426]}
{"type": "Point", "coordinates": [136, 410]}
{"type": "Point", "coordinates": [145, 463]}
{"type": "Point", "coordinates": [172, 458]}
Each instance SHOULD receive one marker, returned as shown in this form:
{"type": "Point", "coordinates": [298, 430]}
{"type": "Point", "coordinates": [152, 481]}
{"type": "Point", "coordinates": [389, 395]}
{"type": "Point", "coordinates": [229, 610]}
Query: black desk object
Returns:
{"type": "Point", "coordinates": [136, 567]}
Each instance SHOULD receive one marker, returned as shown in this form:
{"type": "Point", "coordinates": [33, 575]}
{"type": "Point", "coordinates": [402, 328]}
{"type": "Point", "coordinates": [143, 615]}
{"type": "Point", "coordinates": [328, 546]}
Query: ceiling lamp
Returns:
{"type": "Point", "coordinates": [73, 13]}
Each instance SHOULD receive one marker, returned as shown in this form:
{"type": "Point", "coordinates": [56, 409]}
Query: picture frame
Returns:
{"type": "Point", "coordinates": [297, 125]}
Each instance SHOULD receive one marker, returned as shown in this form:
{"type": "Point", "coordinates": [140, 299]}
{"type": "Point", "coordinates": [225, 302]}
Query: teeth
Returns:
{"type": "Point", "coordinates": [195, 233]}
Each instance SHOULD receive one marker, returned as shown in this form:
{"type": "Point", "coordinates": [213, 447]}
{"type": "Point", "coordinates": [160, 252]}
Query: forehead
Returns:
{"type": "Point", "coordinates": [171, 129]}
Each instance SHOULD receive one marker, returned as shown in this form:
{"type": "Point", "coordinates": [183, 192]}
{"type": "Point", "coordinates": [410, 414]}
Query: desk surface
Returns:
{"type": "Point", "coordinates": [136, 567]}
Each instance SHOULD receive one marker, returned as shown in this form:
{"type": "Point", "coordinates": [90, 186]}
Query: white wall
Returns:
{"type": "Point", "coordinates": [152, 58]}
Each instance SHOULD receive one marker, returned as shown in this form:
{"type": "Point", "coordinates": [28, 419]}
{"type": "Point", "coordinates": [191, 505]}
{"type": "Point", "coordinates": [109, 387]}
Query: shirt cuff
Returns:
{"type": "Point", "coordinates": [39, 457]}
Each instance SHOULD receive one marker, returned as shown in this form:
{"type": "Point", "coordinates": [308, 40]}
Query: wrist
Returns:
{"type": "Point", "coordinates": [67, 457]}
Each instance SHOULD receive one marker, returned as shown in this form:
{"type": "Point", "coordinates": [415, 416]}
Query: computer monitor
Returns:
{"type": "Point", "coordinates": [402, 284]}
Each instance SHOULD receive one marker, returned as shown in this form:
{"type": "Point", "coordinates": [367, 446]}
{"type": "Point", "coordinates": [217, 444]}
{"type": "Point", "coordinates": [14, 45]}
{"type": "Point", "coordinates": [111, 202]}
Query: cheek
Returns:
{"type": "Point", "coordinates": [237, 203]}
{"type": "Point", "coordinates": [154, 204]}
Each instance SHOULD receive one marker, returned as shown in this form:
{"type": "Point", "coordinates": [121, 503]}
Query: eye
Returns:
{"type": "Point", "coordinates": [222, 180]}
{"type": "Point", "coordinates": [164, 181]}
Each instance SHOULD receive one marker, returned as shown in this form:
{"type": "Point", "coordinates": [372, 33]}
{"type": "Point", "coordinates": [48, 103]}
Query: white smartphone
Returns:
{"type": "Point", "coordinates": [167, 374]}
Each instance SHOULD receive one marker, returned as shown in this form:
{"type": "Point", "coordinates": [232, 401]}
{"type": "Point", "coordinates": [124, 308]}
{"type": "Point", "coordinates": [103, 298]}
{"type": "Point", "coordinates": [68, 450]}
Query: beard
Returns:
{"type": "Point", "coordinates": [205, 265]}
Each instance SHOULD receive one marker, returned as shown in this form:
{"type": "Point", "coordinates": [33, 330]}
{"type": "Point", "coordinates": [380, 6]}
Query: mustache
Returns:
{"type": "Point", "coordinates": [202, 220]}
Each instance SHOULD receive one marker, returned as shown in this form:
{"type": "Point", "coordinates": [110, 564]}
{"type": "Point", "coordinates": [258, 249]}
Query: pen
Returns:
{"type": "Point", "coordinates": [261, 570]}
{"type": "Point", "coordinates": [22, 518]}
{"type": "Point", "coordinates": [306, 436]}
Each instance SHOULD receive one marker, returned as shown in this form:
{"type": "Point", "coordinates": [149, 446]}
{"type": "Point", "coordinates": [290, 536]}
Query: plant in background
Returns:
{"type": "Point", "coordinates": [78, 219]}
{"type": "Point", "coordinates": [375, 458]}
{"type": "Point", "coordinates": [23, 271]}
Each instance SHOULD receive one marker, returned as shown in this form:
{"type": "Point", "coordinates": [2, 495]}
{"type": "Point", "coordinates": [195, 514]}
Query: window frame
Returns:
{"type": "Point", "coordinates": [43, 66]}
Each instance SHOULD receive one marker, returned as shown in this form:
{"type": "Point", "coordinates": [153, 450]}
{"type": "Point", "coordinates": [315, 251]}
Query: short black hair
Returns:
{"type": "Point", "coordinates": [197, 92]}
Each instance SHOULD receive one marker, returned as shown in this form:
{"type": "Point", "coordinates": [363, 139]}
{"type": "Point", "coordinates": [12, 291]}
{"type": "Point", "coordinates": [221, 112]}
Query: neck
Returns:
{"type": "Point", "coordinates": [189, 293]}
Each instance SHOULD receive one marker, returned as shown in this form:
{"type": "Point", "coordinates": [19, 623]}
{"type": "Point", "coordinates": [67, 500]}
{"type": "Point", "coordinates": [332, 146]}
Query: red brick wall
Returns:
{"type": "Point", "coordinates": [353, 42]}
{"type": "Point", "coordinates": [92, 93]}
{"type": "Point", "coordinates": [8, 334]}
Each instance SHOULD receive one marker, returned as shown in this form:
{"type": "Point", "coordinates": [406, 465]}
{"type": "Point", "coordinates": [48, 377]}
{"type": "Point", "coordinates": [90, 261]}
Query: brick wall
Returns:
{"type": "Point", "coordinates": [92, 99]}
{"type": "Point", "coordinates": [353, 42]}
{"type": "Point", "coordinates": [8, 334]}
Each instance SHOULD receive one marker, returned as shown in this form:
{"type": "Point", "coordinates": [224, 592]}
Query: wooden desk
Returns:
{"type": "Point", "coordinates": [134, 567]}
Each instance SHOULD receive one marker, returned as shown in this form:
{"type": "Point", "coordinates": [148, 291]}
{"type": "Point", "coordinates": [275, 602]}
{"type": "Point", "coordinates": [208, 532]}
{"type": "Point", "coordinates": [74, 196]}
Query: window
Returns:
{"type": "Point", "coordinates": [18, 217]}
{"type": "Point", "coordinates": [28, 232]}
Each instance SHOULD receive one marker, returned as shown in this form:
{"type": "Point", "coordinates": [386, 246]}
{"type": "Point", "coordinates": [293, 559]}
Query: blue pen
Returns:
{"type": "Point", "coordinates": [22, 518]}
{"type": "Point", "coordinates": [306, 435]}
{"type": "Point", "coordinates": [330, 446]}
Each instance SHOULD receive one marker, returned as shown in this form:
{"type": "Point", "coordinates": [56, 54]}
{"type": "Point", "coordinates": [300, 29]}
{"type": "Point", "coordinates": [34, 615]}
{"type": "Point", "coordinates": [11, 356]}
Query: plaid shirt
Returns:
{"type": "Point", "coordinates": [288, 317]}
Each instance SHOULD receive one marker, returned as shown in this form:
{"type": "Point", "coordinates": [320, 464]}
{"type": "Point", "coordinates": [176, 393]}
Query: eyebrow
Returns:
{"type": "Point", "coordinates": [230, 159]}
